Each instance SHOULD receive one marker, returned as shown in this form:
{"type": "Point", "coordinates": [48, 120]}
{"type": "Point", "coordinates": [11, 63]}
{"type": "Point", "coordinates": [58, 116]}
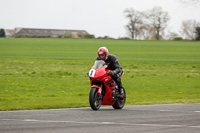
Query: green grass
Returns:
{"type": "Point", "coordinates": [49, 73]}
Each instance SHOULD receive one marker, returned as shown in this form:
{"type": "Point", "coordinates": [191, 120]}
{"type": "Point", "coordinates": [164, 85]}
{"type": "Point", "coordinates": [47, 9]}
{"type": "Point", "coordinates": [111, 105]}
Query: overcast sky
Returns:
{"type": "Point", "coordinates": [98, 17]}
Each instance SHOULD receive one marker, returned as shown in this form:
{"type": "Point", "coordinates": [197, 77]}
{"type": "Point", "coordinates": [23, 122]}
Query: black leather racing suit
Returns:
{"type": "Point", "coordinates": [114, 65]}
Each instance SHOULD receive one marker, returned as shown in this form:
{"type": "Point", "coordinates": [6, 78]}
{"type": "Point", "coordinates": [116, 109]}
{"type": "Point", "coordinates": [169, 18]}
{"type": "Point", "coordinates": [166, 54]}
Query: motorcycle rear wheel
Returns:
{"type": "Point", "coordinates": [95, 100]}
{"type": "Point", "coordinates": [119, 104]}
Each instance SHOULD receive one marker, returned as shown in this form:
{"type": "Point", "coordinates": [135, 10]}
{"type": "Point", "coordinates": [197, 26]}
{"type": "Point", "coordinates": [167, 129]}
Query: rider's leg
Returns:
{"type": "Point", "coordinates": [119, 82]}
{"type": "Point", "coordinates": [121, 88]}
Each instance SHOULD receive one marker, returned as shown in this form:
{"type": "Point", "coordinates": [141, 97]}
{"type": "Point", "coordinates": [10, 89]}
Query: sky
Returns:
{"type": "Point", "coordinates": [98, 17]}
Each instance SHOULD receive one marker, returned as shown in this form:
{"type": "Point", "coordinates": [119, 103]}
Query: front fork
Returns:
{"type": "Point", "coordinates": [98, 87]}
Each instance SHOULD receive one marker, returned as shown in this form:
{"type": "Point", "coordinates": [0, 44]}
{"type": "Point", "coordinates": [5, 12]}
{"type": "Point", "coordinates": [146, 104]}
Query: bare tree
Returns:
{"type": "Point", "coordinates": [188, 29]}
{"type": "Point", "coordinates": [135, 21]}
{"type": "Point", "coordinates": [147, 32]}
{"type": "Point", "coordinates": [158, 19]}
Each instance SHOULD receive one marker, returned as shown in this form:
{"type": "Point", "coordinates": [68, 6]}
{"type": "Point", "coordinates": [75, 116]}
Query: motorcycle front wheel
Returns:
{"type": "Point", "coordinates": [95, 100]}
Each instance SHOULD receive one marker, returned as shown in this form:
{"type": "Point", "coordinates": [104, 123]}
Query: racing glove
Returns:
{"type": "Point", "coordinates": [112, 73]}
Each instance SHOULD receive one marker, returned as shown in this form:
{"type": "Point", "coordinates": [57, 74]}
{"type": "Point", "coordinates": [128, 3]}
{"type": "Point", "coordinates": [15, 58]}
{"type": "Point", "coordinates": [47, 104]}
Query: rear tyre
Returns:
{"type": "Point", "coordinates": [120, 102]}
{"type": "Point", "coordinates": [95, 100]}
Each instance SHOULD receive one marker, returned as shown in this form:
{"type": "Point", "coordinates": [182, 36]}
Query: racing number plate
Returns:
{"type": "Point", "coordinates": [92, 72]}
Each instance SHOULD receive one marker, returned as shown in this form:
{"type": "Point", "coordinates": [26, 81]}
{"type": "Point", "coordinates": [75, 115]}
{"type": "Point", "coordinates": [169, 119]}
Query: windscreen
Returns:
{"type": "Point", "coordinates": [98, 64]}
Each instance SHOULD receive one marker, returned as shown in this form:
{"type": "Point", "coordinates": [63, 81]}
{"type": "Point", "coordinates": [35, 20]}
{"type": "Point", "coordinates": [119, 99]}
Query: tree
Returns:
{"type": "Point", "coordinates": [135, 21]}
{"type": "Point", "coordinates": [2, 33]}
{"type": "Point", "coordinates": [147, 32]}
{"type": "Point", "coordinates": [198, 33]}
{"type": "Point", "coordinates": [148, 25]}
{"type": "Point", "coordinates": [188, 29]}
{"type": "Point", "coordinates": [158, 19]}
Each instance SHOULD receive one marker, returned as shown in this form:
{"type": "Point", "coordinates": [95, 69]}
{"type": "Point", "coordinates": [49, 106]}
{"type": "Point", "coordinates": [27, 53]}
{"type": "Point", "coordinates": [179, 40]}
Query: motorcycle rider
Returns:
{"type": "Point", "coordinates": [113, 64]}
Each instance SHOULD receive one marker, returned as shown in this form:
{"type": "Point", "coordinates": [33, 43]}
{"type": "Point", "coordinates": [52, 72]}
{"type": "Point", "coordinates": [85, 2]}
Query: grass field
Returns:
{"type": "Point", "coordinates": [49, 73]}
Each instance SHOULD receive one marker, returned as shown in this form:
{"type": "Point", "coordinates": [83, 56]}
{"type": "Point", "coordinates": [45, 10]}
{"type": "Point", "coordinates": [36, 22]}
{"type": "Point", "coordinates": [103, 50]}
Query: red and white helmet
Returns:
{"type": "Point", "coordinates": [103, 51]}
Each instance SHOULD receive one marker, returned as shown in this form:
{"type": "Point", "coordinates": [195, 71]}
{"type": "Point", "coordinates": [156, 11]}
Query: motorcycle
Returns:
{"type": "Point", "coordinates": [104, 90]}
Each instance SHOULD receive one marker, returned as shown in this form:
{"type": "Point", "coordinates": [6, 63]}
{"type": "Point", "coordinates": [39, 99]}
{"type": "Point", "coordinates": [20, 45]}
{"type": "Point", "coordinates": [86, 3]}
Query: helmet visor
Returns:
{"type": "Point", "coordinates": [102, 57]}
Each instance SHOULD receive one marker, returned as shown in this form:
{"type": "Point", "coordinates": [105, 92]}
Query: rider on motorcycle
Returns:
{"type": "Point", "coordinates": [113, 64]}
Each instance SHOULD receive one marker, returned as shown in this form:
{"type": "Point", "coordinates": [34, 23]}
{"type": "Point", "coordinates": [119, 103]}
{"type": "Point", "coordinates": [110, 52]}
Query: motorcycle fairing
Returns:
{"type": "Point", "coordinates": [109, 86]}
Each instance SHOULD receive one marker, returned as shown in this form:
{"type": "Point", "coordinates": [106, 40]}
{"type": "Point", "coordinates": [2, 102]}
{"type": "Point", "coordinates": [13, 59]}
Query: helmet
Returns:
{"type": "Point", "coordinates": [103, 51]}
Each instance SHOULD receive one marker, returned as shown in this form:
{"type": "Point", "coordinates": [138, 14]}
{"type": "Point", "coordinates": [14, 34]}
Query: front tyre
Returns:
{"type": "Point", "coordinates": [120, 102]}
{"type": "Point", "coordinates": [95, 100]}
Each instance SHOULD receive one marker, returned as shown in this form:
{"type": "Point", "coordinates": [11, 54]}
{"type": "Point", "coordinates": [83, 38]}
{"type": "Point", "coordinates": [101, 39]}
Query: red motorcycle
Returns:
{"type": "Point", "coordinates": [104, 90]}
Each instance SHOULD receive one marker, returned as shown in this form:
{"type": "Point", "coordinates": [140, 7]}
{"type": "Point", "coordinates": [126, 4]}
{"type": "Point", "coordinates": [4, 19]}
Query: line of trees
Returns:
{"type": "Point", "coordinates": [147, 24]}
{"type": "Point", "coordinates": [151, 25]}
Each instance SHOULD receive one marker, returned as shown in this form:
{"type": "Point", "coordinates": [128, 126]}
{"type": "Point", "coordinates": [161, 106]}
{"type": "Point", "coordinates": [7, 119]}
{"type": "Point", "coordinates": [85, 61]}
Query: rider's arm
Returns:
{"type": "Point", "coordinates": [117, 66]}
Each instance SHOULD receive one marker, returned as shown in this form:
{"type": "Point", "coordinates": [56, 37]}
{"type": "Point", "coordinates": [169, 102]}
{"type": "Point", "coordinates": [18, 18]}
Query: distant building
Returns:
{"type": "Point", "coordinates": [9, 33]}
{"type": "Point", "coordinates": [44, 32]}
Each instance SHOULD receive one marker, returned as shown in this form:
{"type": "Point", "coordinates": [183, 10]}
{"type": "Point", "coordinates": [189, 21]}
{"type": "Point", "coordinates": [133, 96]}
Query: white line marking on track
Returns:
{"type": "Point", "coordinates": [101, 123]}
{"type": "Point", "coordinates": [195, 126]}
{"type": "Point", "coordinates": [166, 110]}
{"type": "Point", "coordinates": [30, 120]}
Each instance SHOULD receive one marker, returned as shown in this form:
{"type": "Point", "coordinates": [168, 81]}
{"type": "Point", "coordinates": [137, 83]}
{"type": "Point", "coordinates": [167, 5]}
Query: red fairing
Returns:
{"type": "Point", "coordinates": [99, 73]}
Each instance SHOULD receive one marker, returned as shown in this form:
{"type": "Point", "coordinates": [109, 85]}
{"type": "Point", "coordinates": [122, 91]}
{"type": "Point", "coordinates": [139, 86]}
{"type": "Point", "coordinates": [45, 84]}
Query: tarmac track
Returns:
{"type": "Point", "coordinates": [168, 118]}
